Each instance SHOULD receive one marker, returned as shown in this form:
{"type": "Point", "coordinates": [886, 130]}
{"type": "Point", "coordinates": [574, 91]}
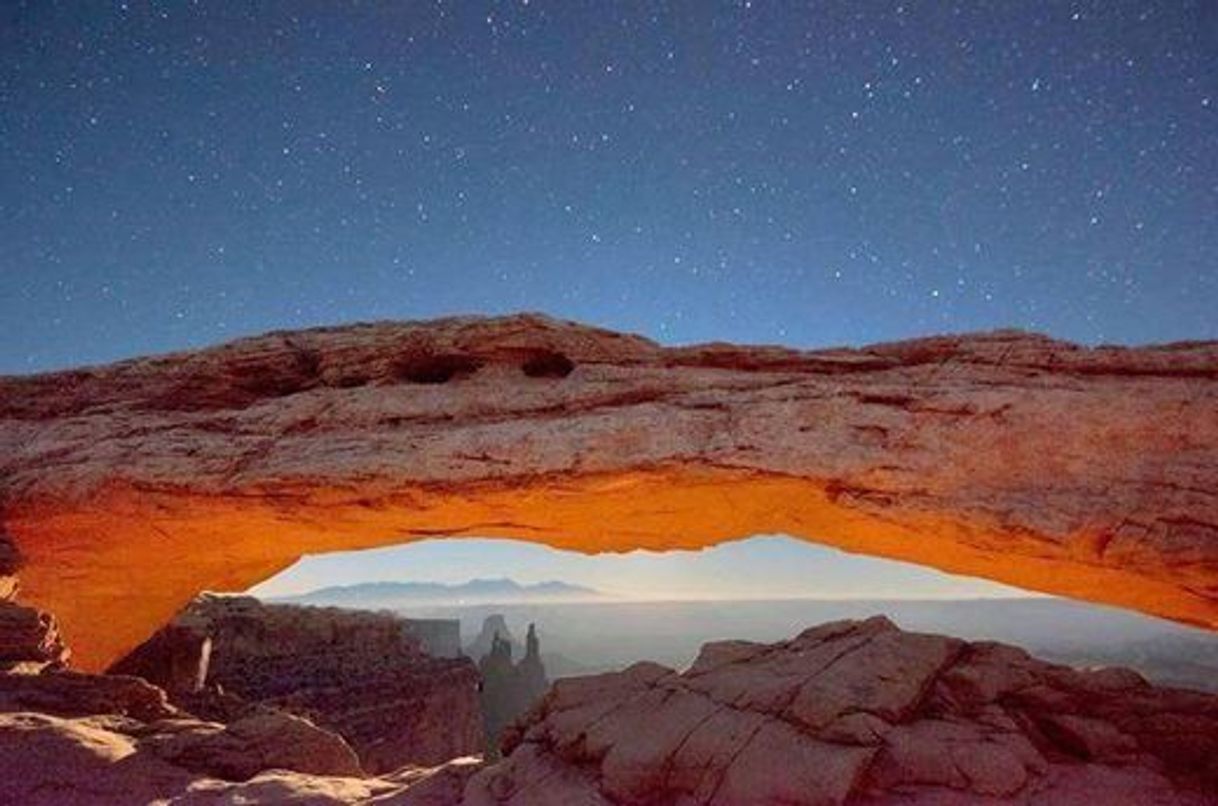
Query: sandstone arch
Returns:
{"type": "Point", "coordinates": [1091, 473]}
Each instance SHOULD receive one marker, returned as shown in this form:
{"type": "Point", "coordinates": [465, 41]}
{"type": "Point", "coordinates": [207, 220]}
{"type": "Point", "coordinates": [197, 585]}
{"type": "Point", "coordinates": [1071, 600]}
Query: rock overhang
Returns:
{"type": "Point", "coordinates": [1086, 472]}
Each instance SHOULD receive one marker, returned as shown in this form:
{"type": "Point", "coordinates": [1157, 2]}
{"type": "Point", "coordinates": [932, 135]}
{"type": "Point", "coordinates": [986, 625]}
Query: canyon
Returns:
{"type": "Point", "coordinates": [855, 712]}
{"type": "Point", "coordinates": [127, 490]}
{"type": "Point", "coordinates": [1086, 472]}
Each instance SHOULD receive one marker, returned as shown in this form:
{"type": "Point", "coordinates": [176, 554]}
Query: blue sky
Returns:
{"type": "Point", "coordinates": [178, 174]}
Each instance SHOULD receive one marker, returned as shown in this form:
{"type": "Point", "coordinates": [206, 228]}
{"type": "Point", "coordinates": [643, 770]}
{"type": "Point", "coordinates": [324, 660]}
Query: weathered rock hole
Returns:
{"type": "Point", "coordinates": [548, 364]}
{"type": "Point", "coordinates": [351, 381]}
{"type": "Point", "coordinates": [435, 368]}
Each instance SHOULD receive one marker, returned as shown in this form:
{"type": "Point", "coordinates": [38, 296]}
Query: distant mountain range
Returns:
{"type": "Point", "coordinates": [476, 591]}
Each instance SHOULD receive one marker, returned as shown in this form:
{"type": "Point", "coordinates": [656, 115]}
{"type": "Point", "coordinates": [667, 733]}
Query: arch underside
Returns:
{"type": "Point", "coordinates": [115, 570]}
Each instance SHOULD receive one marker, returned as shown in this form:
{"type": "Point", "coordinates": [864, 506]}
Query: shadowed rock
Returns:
{"type": "Point", "coordinates": [356, 673]}
{"type": "Point", "coordinates": [29, 640]}
{"type": "Point", "coordinates": [854, 712]}
{"type": "Point", "coordinates": [859, 712]}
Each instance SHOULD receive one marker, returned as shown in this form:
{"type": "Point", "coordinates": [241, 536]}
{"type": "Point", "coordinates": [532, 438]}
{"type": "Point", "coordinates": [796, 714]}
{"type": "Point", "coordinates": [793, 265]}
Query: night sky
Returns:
{"type": "Point", "coordinates": [177, 174]}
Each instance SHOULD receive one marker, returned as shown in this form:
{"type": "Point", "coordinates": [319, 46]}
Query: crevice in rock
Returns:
{"type": "Point", "coordinates": [434, 368]}
{"type": "Point", "coordinates": [548, 364]}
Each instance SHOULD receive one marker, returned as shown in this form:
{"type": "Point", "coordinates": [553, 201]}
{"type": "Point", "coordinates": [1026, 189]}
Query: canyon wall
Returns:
{"type": "Point", "coordinates": [860, 712]}
{"type": "Point", "coordinates": [356, 673]}
{"type": "Point", "coordinates": [438, 637]}
{"type": "Point", "coordinates": [1090, 473]}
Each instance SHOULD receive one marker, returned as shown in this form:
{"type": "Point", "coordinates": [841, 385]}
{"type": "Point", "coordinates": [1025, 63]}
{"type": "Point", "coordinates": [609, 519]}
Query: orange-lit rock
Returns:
{"type": "Point", "coordinates": [1091, 473]}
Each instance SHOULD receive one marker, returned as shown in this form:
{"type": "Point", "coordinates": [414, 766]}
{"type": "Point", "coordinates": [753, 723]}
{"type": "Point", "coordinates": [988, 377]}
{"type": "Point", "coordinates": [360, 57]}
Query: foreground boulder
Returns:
{"type": "Point", "coordinates": [78, 738]}
{"type": "Point", "coordinates": [360, 674]}
{"type": "Point", "coordinates": [860, 712]}
{"type": "Point", "coordinates": [1089, 473]}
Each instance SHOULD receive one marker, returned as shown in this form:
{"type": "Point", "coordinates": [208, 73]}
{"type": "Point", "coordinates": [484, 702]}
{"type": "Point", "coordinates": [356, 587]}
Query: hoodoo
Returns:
{"type": "Point", "coordinates": [1086, 472]}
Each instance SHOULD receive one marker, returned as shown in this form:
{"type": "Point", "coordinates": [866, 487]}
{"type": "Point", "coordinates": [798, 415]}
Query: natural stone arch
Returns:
{"type": "Point", "coordinates": [1090, 473]}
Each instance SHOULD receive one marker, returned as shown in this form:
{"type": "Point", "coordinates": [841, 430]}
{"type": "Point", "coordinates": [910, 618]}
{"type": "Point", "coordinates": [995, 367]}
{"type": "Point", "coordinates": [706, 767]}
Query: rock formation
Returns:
{"type": "Point", "coordinates": [177, 658]}
{"type": "Point", "coordinates": [859, 712]}
{"type": "Point", "coordinates": [848, 712]}
{"type": "Point", "coordinates": [76, 738]}
{"type": "Point", "coordinates": [29, 640]}
{"type": "Point", "coordinates": [438, 637]}
{"type": "Point", "coordinates": [356, 673]}
{"type": "Point", "coordinates": [494, 627]}
{"type": "Point", "coordinates": [1090, 473]}
{"type": "Point", "coordinates": [9, 562]}
{"type": "Point", "coordinates": [509, 689]}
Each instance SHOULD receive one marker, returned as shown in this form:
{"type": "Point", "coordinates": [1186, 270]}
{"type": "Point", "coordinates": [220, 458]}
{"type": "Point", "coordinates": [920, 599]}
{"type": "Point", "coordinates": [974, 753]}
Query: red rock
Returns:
{"type": "Point", "coordinates": [50, 761]}
{"type": "Point", "coordinates": [650, 735]}
{"type": "Point", "coordinates": [356, 673]}
{"type": "Point", "coordinates": [176, 658]}
{"type": "Point", "coordinates": [899, 716]}
{"type": "Point", "coordinates": [74, 694]}
{"type": "Point", "coordinates": [1086, 472]}
{"type": "Point", "coordinates": [29, 640]}
{"type": "Point", "coordinates": [240, 750]}
{"type": "Point", "coordinates": [9, 563]}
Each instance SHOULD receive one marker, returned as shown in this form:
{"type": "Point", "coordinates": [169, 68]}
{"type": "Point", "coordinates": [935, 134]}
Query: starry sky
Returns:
{"type": "Point", "coordinates": [175, 174]}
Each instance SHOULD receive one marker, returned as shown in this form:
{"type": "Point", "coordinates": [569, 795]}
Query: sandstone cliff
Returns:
{"type": "Point", "coordinates": [848, 712]}
{"type": "Point", "coordinates": [1091, 473]}
{"type": "Point", "coordinates": [508, 689]}
{"type": "Point", "coordinates": [860, 712]}
{"type": "Point", "coordinates": [29, 640]}
{"type": "Point", "coordinates": [356, 673]}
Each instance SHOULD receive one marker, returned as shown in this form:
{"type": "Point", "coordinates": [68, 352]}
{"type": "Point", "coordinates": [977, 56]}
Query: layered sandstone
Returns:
{"type": "Point", "coordinates": [359, 674]}
{"type": "Point", "coordinates": [860, 712]}
{"type": "Point", "coordinates": [76, 738]}
{"type": "Point", "coordinates": [29, 640]}
{"type": "Point", "coordinates": [1091, 473]}
{"type": "Point", "coordinates": [845, 713]}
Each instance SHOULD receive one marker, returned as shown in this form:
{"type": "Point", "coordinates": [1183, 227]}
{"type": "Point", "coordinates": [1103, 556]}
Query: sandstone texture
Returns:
{"type": "Point", "coordinates": [859, 712]}
{"type": "Point", "coordinates": [853, 712]}
{"type": "Point", "coordinates": [112, 740]}
{"type": "Point", "coordinates": [29, 640]}
{"type": "Point", "coordinates": [1085, 472]}
{"type": "Point", "coordinates": [359, 674]}
{"type": "Point", "coordinates": [83, 739]}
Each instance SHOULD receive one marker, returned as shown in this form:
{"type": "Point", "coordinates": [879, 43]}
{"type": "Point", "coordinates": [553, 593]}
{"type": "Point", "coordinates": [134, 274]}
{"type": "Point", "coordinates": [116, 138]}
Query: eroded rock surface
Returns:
{"type": "Point", "coordinates": [855, 712]}
{"type": "Point", "coordinates": [77, 738]}
{"type": "Point", "coordinates": [508, 688]}
{"type": "Point", "coordinates": [29, 640]}
{"type": "Point", "coordinates": [357, 673]}
{"type": "Point", "coordinates": [860, 712]}
{"type": "Point", "coordinates": [107, 740]}
{"type": "Point", "coordinates": [1090, 473]}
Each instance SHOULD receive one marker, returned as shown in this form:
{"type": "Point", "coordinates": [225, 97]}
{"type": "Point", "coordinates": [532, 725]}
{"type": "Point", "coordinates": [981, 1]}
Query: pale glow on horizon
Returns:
{"type": "Point", "coordinates": [757, 568]}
